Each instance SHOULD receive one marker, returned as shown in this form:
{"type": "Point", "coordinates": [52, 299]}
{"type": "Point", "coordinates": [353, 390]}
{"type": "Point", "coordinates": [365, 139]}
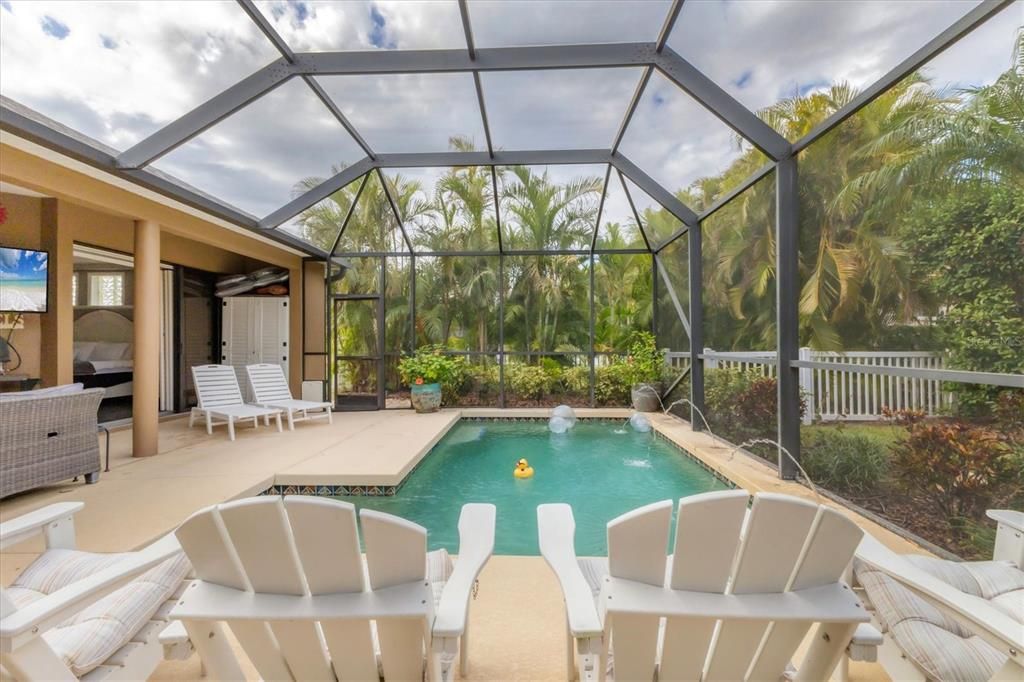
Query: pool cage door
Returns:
{"type": "Point", "coordinates": [358, 365]}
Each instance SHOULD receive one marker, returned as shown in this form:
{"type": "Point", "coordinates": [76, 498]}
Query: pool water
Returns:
{"type": "Point", "coordinates": [602, 469]}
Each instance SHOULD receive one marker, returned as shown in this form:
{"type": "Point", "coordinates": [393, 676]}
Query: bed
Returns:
{"type": "Point", "coordinates": [104, 353]}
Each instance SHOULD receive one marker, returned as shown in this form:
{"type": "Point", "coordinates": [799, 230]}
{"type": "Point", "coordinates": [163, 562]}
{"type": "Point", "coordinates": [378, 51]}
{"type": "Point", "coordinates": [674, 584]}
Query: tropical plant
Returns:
{"type": "Point", "coordinates": [953, 467]}
{"type": "Point", "coordinates": [430, 365]}
{"type": "Point", "coordinates": [645, 362]}
{"type": "Point", "coordinates": [844, 462]}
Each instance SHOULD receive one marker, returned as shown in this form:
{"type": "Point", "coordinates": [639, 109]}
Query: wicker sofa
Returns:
{"type": "Point", "coordinates": [48, 436]}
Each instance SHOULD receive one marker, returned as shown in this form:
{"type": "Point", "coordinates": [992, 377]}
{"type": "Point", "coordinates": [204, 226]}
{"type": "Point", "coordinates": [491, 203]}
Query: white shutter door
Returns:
{"type": "Point", "coordinates": [273, 332]}
{"type": "Point", "coordinates": [237, 337]}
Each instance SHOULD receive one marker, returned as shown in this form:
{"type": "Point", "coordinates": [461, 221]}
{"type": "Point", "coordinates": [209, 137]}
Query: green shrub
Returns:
{"type": "Point", "coordinates": [646, 364]}
{"type": "Point", "coordinates": [480, 380]}
{"type": "Point", "coordinates": [612, 384]}
{"type": "Point", "coordinates": [844, 462]}
{"type": "Point", "coordinates": [742, 405]}
{"type": "Point", "coordinates": [576, 379]}
{"type": "Point", "coordinates": [429, 365]}
{"type": "Point", "coordinates": [529, 382]}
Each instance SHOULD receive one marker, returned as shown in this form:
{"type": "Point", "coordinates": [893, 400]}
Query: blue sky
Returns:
{"type": "Point", "coordinates": [21, 264]}
{"type": "Point", "coordinates": [117, 72]}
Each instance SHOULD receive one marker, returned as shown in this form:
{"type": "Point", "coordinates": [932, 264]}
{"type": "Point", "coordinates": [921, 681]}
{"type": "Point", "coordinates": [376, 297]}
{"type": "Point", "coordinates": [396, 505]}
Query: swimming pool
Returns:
{"type": "Point", "coordinates": [598, 467]}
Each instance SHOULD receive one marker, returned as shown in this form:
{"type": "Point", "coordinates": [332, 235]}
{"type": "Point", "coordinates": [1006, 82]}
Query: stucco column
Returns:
{"type": "Point", "coordinates": [295, 330]}
{"type": "Point", "coordinates": [146, 330]}
{"type": "Point", "coordinates": [57, 325]}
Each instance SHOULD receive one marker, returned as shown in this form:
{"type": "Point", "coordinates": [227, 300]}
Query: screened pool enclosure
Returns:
{"type": "Point", "coordinates": [532, 184]}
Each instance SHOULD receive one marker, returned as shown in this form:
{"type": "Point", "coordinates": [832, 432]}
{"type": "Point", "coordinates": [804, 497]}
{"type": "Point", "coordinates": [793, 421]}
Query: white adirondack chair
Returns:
{"type": "Point", "coordinates": [735, 601]}
{"type": "Point", "coordinates": [285, 575]}
{"type": "Point", "coordinates": [936, 630]}
{"type": "Point", "coordinates": [77, 615]}
{"type": "Point", "coordinates": [270, 389]}
{"type": "Point", "coordinates": [220, 398]}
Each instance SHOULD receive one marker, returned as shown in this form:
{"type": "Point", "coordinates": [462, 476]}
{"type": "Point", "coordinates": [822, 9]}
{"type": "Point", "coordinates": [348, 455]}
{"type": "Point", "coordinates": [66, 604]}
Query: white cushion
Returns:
{"type": "Point", "coordinates": [88, 639]}
{"type": "Point", "coordinates": [83, 349]}
{"type": "Point", "coordinates": [54, 569]}
{"type": "Point", "coordinates": [64, 389]}
{"type": "Point", "coordinates": [108, 351]}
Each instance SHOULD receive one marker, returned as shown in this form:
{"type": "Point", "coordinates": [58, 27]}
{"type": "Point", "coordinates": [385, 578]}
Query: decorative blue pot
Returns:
{"type": "Point", "coordinates": [426, 397]}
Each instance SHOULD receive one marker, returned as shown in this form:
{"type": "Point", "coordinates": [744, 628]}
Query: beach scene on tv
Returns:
{"type": "Point", "coordinates": [22, 280]}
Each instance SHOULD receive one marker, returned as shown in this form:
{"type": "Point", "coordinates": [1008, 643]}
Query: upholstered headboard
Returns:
{"type": "Point", "coordinates": [103, 325]}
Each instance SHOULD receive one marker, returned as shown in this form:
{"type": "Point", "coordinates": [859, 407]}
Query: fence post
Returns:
{"type": "Point", "coordinates": [807, 386]}
{"type": "Point", "coordinates": [710, 363]}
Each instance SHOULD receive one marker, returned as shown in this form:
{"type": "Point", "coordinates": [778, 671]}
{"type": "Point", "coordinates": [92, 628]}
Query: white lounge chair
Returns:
{"type": "Point", "coordinates": [947, 620]}
{"type": "Point", "coordinates": [78, 615]}
{"type": "Point", "coordinates": [285, 575]}
{"type": "Point", "coordinates": [734, 602]}
{"type": "Point", "coordinates": [270, 389]}
{"type": "Point", "coordinates": [220, 398]}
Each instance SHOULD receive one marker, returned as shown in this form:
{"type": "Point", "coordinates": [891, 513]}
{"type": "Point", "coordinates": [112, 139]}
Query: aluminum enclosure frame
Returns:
{"type": "Point", "coordinates": [131, 165]}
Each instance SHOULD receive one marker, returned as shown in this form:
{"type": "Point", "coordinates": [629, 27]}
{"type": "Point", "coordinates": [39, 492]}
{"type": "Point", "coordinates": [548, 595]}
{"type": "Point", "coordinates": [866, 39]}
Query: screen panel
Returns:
{"type": "Point", "coordinates": [262, 156]}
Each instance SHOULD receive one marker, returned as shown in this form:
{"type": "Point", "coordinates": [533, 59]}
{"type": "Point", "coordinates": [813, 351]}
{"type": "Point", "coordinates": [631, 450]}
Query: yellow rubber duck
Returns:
{"type": "Point", "coordinates": [523, 469]}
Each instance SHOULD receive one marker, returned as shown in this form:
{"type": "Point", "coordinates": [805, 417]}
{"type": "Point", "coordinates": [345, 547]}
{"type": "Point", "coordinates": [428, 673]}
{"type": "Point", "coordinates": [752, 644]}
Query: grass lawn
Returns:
{"type": "Point", "coordinates": [885, 434]}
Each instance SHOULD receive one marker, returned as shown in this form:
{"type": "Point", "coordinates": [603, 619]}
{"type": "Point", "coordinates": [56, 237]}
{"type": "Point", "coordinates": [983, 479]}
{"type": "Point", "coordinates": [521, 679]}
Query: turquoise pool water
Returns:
{"type": "Point", "coordinates": [599, 468]}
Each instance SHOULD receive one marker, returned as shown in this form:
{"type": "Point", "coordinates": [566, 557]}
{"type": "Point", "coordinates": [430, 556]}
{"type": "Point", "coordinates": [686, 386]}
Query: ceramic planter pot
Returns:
{"type": "Point", "coordinates": [645, 397]}
{"type": "Point", "coordinates": [426, 397]}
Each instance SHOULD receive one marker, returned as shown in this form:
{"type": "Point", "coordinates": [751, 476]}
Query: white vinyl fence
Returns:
{"type": "Point", "coordinates": [841, 394]}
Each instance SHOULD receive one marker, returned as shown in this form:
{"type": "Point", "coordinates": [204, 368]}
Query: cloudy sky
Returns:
{"type": "Point", "coordinates": [117, 71]}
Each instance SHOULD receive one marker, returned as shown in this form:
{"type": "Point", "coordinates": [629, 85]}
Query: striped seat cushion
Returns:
{"type": "Point", "coordinates": [89, 638]}
{"type": "Point", "coordinates": [439, 569]}
{"type": "Point", "coordinates": [54, 569]}
{"type": "Point", "coordinates": [937, 644]}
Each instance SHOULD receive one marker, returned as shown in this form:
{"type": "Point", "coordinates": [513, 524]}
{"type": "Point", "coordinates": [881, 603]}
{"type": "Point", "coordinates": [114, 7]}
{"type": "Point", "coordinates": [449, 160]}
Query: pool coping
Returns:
{"type": "Point", "coordinates": [359, 489]}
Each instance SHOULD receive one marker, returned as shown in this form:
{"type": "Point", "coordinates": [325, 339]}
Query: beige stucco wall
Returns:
{"type": "Point", "coordinates": [88, 210]}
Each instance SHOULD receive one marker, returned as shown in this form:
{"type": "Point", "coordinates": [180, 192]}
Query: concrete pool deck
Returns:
{"type": "Point", "coordinates": [141, 499]}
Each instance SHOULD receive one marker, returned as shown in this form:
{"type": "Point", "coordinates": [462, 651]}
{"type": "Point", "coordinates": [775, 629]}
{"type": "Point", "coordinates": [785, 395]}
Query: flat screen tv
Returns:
{"type": "Point", "coordinates": [23, 280]}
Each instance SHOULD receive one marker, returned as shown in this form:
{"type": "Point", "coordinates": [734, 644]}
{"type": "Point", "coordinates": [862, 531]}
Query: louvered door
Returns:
{"type": "Point", "coordinates": [255, 330]}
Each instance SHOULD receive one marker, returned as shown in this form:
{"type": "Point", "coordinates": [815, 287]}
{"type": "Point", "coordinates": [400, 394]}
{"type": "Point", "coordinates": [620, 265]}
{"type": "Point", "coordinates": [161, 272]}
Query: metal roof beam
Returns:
{"type": "Point", "coordinates": [207, 114]}
{"type": "Point", "coordinates": [25, 123]}
{"type": "Point", "coordinates": [500, 158]}
{"type": "Point", "coordinates": [317, 194]}
{"type": "Point", "coordinates": [722, 104]}
{"type": "Point", "coordinates": [484, 59]}
{"type": "Point", "coordinates": [664, 197]}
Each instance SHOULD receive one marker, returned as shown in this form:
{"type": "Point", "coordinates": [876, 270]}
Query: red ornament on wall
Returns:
{"type": "Point", "coordinates": [3, 214]}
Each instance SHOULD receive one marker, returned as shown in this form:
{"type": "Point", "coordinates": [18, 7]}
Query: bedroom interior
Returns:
{"type": "Point", "coordinates": [89, 332]}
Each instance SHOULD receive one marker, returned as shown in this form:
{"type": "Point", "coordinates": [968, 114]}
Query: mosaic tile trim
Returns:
{"type": "Point", "coordinates": [391, 490]}
{"type": "Point", "coordinates": [332, 490]}
{"type": "Point", "coordinates": [695, 458]}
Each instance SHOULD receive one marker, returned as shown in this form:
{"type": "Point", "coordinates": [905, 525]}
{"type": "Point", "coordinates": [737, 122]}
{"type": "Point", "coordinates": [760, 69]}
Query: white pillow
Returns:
{"type": "Point", "coordinates": [83, 349]}
{"type": "Point", "coordinates": [129, 352]}
{"type": "Point", "coordinates": [108, 351]}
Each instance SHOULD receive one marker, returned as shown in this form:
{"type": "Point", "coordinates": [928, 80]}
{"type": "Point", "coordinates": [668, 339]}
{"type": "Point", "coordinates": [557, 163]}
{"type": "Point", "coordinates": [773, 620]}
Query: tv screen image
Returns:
{"type": "Point", "coordinates": [23, 280]}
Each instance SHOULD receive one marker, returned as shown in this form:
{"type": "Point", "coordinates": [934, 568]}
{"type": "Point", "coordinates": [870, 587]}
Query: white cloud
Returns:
{"type": "Point", "coordinates": [508, 23]}
{"type": "Point", "coordinates": [323, 25]}
{"type": "Point", "coordinates": [764, 51]}
{"type": "Point", "coordinates": [168, 57]}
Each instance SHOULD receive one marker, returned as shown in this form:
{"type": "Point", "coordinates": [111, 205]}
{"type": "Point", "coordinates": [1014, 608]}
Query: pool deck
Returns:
{"type": "Point", "coordinates": [141, 499]}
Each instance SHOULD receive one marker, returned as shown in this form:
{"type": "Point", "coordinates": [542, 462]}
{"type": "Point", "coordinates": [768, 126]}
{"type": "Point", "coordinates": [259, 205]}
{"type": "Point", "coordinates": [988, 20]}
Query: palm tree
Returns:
{"type": "Point", "coordinates": [538, 214]}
